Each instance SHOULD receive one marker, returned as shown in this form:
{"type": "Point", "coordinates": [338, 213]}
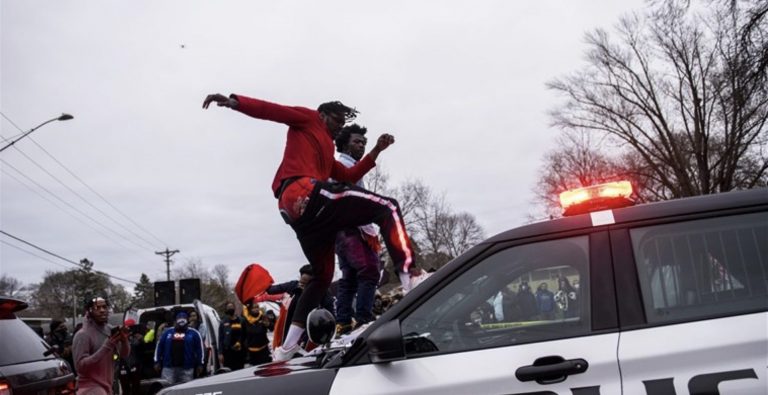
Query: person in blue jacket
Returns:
{"type": "Point", "coordinates": [545, 299]}
{"type": "Point", "coordinates": [179, 351]}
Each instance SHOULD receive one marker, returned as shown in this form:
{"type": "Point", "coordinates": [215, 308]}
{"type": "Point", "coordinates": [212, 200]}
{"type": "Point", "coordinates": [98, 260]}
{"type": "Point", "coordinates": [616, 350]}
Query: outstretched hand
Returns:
{"type": "Point", "coordinates": [221, 101]}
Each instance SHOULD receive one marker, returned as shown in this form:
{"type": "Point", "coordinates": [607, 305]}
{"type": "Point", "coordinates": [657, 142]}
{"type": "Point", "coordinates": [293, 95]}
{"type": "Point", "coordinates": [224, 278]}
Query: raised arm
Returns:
{"type": "Point", "coordinates": [356, 172]}
{"type": "Point", "coordinates": [84, 360]}
{"type": "Point", "coordinates": [262, 109]}
{"type": "Point", "coordinates": [287, 286]}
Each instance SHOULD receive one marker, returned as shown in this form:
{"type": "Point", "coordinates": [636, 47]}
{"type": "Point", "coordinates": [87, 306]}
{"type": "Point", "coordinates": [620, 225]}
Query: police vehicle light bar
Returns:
{"type": "Point", "coordinates": [596, 197]}
{"type": "Point", "coordinates": [12, 306]}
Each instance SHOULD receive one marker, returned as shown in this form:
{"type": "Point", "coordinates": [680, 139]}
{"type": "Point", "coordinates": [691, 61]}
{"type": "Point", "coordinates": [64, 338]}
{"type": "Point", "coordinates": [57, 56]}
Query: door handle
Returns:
{"type": "Point", "coordinates": [551, 369]}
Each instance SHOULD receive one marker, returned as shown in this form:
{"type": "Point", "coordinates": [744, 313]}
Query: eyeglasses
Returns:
{"type": "Point", "coordinates": [340, 119]}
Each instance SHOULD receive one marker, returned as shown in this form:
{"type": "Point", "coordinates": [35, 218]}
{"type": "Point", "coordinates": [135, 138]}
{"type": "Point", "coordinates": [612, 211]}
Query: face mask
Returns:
{"type": "Point", "coordinates": [181, 324]}
{"type": "Point", "coordinates": [229, 311]}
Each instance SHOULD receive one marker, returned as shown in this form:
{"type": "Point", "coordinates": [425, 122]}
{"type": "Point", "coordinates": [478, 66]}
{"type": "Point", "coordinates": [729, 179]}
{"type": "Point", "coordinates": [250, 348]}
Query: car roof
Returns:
{"type": "Point", "coordinates": [166, 307]}
{"type": "Point", "coordinates": [647, 211]}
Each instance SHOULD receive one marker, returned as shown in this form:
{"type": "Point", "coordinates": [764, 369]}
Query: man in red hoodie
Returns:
{"type": "Point", "coordinates": [317, 209]}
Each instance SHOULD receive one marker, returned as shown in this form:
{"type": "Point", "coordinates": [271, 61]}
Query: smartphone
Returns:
{"type": "Point", "coordinates": [115, 331]}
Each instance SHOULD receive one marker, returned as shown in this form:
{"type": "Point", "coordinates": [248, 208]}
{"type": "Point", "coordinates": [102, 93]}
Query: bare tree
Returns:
{"type": "Point", "coordinates": [461, 233]}
{"type": "Point", "coordinates": [10, 286]}
{"type": "Point", "coordinates": [580, 161]}
{"type": "Point", "coordinates": [221, 289]}
{"type": "Point", "coordinates": [215, 287]}
{"type": "Point", "coordinates": [57, 296]}
{"type": "Point", "coordinates": [119, 298]}
{"type": "Point", "coordinates": [676, 91]}
{"type": "Point", "coordinates": [438, 233]}
{"type": "Point", "coordinates": [377, 181]}
{"type": "Point", "coordinates": [62, 294]}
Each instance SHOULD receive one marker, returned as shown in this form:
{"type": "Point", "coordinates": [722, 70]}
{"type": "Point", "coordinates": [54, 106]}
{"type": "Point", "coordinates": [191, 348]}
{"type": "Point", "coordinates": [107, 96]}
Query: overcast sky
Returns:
{"type": "Point", "coordinates": [461, 85]}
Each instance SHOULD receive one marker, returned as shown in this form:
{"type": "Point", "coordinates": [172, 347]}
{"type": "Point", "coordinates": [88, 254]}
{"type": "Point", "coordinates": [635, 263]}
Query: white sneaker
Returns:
{"type": "Point", "coordinates": [283, 354]}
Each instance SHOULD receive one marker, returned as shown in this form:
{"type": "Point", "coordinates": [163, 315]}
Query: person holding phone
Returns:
{"type": "Point", "coordinates": [94, 346]}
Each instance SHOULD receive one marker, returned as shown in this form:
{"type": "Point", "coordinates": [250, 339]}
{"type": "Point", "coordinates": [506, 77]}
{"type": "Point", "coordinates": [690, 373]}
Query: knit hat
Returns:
{"type": "Point", "coordinates": [55, 325]}
{"type": "Point", "coordinates": [182, 315]}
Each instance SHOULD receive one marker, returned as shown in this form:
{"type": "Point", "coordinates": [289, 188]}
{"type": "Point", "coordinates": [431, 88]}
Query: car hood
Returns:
{"type": "Point", "coordinates": [296, 376]}
{"type": "Point", "coordinates": [302, 375]}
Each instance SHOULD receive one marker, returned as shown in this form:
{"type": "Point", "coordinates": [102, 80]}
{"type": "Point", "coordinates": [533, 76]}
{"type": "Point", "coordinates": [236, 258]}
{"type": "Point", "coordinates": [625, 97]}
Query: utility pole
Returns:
{"type": "Point", "coordinates": [168, 255]}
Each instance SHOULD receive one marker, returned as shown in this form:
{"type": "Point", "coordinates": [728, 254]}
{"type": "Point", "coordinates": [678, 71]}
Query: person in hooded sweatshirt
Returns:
{"type": "Point", "coordinates": [94, 346]}
{"type": "Point", "coordinates": [179, 352]}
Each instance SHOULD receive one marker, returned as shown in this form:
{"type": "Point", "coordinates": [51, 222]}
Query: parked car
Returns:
{"type": "Point", "coordinates": [154, 317]}
{"type": "Point", "coordinates": [661, 298]}
{"type": "Point", "coordinates": [28, 365]}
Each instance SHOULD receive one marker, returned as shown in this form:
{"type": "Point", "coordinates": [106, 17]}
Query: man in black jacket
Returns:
{"type": "Point", "coordinates": [232, 339]}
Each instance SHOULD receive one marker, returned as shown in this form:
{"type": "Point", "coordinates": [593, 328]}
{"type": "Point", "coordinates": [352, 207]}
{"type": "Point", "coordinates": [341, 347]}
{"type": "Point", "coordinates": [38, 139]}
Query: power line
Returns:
{"type": "Point", "coordinates": [84, 214]}
{"type": "Point", "coordinates": [11, 122]}
{"type": "Point", "coordinates": [53, 203]}
{"type": "Point", "coordinates": [84, 200]}
{"type": "Point", "coordinates": [100, 196]}
{"type": "Point", "coordinates": [65, 259]}
{"type": "Point", "coordinates": [79, 179]}
{"type": "Point", "coordinates": [33, 254]}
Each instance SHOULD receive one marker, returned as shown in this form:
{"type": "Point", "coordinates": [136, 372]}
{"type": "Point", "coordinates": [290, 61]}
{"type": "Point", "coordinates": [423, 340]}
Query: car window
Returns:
{"type": "Point", "coordinates": [522, 294]}
{"type": "Point", "coordinates": [703, 268]}
{"type": "Point", "coordinates": [20, 343]}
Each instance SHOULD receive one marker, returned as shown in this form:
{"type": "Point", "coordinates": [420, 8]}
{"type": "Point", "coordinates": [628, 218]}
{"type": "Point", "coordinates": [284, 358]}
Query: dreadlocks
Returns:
{"type": "Point", "coordinates": [343, 139]}
{"type": "Point", "coordinates": [337, 108]}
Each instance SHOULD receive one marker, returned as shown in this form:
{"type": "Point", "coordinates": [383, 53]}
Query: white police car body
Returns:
{"type": "Point", "coordinates": [664, 298]}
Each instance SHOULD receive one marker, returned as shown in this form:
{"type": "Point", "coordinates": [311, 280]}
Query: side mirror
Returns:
{"type": "Point", "coordinates": [385, 344]}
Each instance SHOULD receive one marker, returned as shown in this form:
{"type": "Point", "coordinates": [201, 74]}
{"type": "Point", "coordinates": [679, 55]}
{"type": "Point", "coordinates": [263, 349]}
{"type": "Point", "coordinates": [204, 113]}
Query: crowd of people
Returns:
{"type": "Point", "coordinates": [248, 333]}
{"type": "Point", "coordinates": [526, 305]}
{"type": "Point", "coordinates": [106, 357]}
{"type": "Point", "coordinates": [325, 202]}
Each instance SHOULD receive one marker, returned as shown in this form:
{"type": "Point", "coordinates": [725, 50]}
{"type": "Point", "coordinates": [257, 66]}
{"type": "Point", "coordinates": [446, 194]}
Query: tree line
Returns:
{"type": "Point", "coordinates": [61, 294]}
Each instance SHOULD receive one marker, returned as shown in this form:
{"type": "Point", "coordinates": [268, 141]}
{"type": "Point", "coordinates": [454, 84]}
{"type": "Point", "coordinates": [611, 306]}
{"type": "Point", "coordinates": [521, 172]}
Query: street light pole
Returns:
{"type": "Point", "coordinates": [62, 117]}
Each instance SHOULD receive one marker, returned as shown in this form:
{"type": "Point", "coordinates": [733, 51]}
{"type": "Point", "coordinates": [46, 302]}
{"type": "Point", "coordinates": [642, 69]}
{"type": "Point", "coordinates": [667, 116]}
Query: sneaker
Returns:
{"type": "Point", "coordinates": [283, 354]}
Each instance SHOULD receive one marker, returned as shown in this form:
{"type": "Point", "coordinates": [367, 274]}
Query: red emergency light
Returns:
{"type": "Point", "coordinates": [596, 197]}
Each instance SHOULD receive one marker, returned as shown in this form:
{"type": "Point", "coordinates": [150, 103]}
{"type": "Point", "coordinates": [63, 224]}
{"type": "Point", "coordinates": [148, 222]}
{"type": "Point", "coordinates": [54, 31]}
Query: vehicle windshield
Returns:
{"type": "Point", "coordinates": [20, 343]}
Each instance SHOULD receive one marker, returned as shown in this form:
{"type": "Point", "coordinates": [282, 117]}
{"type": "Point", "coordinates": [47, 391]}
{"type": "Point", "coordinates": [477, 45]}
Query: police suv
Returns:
{"type": "Point", "coordinates": [663, 298]}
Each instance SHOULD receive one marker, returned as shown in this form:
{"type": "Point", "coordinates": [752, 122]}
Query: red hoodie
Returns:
{"type": "Point", "coordinates": [309, 146]}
